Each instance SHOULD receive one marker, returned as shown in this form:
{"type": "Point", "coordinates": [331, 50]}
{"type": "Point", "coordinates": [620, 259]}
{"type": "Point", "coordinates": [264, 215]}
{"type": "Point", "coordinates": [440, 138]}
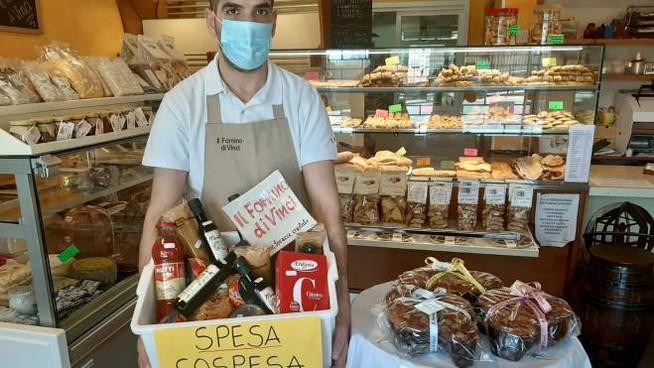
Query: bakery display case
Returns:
{"type": "Point", "coordinates": [448, 149]}
{"type": "Point", "coordinates": [74, 196]}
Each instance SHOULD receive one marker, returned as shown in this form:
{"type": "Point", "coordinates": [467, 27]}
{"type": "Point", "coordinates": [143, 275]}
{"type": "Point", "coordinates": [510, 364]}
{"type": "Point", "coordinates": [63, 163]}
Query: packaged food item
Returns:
{"type": "Point", "coordinates": [69, 298]}
{"type": "Point", "coordinates": [12, 275]}
{"type": "Point", "coordinates": [255, 290]}
{"type": "Point", "coordinates": [501, 26]}
{"type": "Point", "coordinates": [389, 158]}
{"type": "Point", "coordinates": [41, 81]}
{"type": "Point", "coordinates": [492, 217]}
{"type": "Point", "coordinates": [392, 191]}
{"type": "Point", "coordinates": [523, 318]}
{"type": "Point", "coordinates": [424, 322]}
{"type": "Point", "coordinates": [468, 200]}
{"type": "Point", "coordinates": [25, 130]}
{"type": "Point", "coordinates": [61, 61]}
{"type": "Point", "coordinates": [366, 198]}
{"type": "Point", "coordinates": [546, 21]}
{"type": "Point", "coordinates": [119, 77]}
{"type": "Point", "coordinates": [11, 71]}
{"type": "Point", "coordinates": [217, 306]}
{"type": "Point", "coordinates": [188, 234]}
{"type": "Point", "coordinates": [440, 196]}
{"type": "Point", "coordinates": [93, 63]}
{"type": "Point", "coordinates": [520, 201]}
{"type": "Point", "coordinates": [209, 232]}
{"type": "Point", "coordinates": [386, 76]}
{"type": "Point", "coordinates": [456, 279]}
{"type": "Point", "coordinates": [104, 176]}
{"type": "Point", "coordinates": [417, 191]}
{"type": "Point", "coordinates": [259, 260]}
{"type": "Point", "coordinates": [22, 300]}
{"type": "Point", "coordinates": [99, 269]}
{"type": "Point", "coordinates": [301, 282]}
{"type": "Point", "coordinates": [247, 310]}
{"type": "Point", "coordinates": [169, 269]}
{"type": "Point", "coordinates": [64, 86]}
{"type": "Point", "coordinates": [15, 94]}
{"type": "Point", "coordinates": [48, 129]}
{"type": "Point", "coordinates": [316, 237]}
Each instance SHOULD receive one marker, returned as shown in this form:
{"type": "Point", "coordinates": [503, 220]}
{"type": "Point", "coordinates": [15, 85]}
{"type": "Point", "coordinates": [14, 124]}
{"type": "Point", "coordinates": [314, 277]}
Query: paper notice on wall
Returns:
{"type": "Point", "coordinates": [556, 219]}
{"type": "Point", "coordinates": [269, 214]}
{"type": "Point", "coordinates": [580, 151]}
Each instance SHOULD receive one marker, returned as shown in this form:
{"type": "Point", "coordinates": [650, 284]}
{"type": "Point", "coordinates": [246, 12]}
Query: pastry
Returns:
{"type": "Point", "coordinates": [502, 171]}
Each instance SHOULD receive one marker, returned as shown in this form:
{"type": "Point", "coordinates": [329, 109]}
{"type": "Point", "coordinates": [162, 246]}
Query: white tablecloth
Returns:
{"type": "Point", "coordinates": [369, 347]}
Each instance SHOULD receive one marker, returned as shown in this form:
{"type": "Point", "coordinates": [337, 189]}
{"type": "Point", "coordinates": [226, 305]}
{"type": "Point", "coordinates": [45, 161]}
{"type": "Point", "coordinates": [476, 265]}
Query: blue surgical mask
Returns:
{"type": "Point", "coordinates": [245, 44]}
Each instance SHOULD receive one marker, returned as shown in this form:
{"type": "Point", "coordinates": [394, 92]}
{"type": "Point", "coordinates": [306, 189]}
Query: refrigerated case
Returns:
{"type": "Point", "coordinates": [512, 109]}
{"type": "Point", "coordinates": [71, 216]}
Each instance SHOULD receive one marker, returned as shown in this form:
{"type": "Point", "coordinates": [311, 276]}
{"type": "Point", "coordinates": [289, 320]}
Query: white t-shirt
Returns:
{"type": "Point", "coordinates": [177, 139]}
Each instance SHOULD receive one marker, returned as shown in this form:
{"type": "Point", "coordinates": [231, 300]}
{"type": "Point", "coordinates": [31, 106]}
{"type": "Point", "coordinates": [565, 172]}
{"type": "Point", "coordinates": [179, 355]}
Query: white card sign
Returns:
{"type": "Point", "coordinates": [580, 152]}
{"type": "Point", "coordinates": [269, 214]}
{"type": "Point", "coordinates": [556, 219]}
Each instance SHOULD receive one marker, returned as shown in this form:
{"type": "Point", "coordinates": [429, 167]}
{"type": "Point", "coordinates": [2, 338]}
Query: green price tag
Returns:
{"type": "Point", "coordinates": [395, 108]}
{"type": "Point", "coordinates": [392, 61]}
{"type": "Point", "coordinates": [514, 29]}
{"type": "Point", "coordinates": [555, 39]}
{"type": "Point", "coordinates": [68, 254]}
{"type": "Point", "coordinates": [556, 105]}
{"type": "Point", "coordinates": [483, 64]}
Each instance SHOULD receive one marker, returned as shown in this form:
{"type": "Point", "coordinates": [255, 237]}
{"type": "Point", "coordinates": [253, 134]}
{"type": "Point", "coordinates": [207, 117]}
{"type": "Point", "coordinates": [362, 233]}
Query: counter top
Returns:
{"type": "Point", "coordinates": [620, 181]}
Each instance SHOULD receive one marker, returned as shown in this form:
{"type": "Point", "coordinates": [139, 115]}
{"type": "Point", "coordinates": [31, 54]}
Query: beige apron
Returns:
{"type": "Point", "coordinates": [238, 156]}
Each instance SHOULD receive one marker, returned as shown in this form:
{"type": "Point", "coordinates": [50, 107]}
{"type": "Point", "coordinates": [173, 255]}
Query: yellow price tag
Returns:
{"type": "Point", "coordinates": [547, 62]}
{"type": "Point", "coordinates": [393, 60]}
{"type": "Point", "coordinates": [292, 342]}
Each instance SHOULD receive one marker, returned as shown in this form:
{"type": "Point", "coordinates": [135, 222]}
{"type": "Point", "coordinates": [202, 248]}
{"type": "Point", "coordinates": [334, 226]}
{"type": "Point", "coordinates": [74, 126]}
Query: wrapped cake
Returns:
{"type": "Point", "coordinates": [522, 317]}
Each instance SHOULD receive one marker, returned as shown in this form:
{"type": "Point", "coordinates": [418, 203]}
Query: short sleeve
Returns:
{"type": "Point", "coordinates": [167, 146]}
{"type": "Point", "coordinates": [317, 141]}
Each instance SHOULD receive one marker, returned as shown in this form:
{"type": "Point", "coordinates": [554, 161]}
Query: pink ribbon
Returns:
{"type": "Point", "coordinates": [532, 297]}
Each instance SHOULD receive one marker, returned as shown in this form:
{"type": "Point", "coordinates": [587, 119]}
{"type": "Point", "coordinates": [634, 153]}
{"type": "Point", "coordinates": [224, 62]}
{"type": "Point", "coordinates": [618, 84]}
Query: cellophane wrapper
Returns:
{"type": "Point", "coordinates": [514, 330]}
{"type": "Point", "coordinates": [63, 62]}
{"type": "Point", "coordinates": [366, 209]}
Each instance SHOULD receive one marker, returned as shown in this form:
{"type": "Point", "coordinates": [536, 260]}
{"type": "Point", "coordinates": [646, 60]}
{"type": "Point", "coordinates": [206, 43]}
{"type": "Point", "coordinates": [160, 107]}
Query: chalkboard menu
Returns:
{"type": "Point", "coordinates": [351, 24]}
{"type": "Point", "coordinates": [20, 16]}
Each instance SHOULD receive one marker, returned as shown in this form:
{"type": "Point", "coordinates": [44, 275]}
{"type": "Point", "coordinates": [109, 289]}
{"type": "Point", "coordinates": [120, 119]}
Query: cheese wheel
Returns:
{"type": "Point", "coordinates": [94, 268]}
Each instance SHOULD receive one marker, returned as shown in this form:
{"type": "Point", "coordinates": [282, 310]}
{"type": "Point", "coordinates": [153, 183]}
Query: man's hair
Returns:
{"type": "Point", "coordinates": [214, 4]}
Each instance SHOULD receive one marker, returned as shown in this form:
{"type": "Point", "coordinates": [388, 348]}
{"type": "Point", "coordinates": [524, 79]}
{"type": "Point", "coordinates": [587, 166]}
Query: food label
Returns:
{"type": "Point", "coordinates": [468, 192]}
{"type": "Point", "coordinates": [483, 64]}
{"type": "Point", "coordinates": [345, 180]}
{"type": "Point", "coordinates": [555, 105]}
{"type": "Point", "coordinates": [68, 254]}
{"type": "Point", "coordinates": [417, 192]}
{"type": "Point", "coordinates": [450, 240]}
{"type": "Point", "coordinates": [513, 29]}
{"type": "Point", "coordinates": [301, 282]}
{"type": "Point", "coordinates": [393, 183]}
{"type": "Point", "coordinates": [471, 152]}
{"type": "Point", "coordinates": [440, 193]}
{"type": "Point", "coordinates": [141, 119]}
{"type": "Point", "coordinates": [392, 61]}
{"type": "Point", "coordinates": [32, 136]}
{"type": "Point", "coordinates": [381, 113]}
{"type": "Point", "coordinates": [170, 280]}
{"type": "Point", "coordinates": [99, 126]}
{"type": "Point", "coordinates": [397, 237]}
{"type": "Point", "coordinates": [65, 131]}
{"type": "Point", "coordinates": [395, 108]}
{"type": "Point", "coordinates": [495, 194]}
{"type": "Point", "coordinates": [198, 283]}
{"type": "Point", "coordinates": [521, 195]}
{"type": "Point", "coordinates": [555, 39]}
{"type": "Point", "coordinates": [423, 161]}
{"type": "Point", "coordinates": [430, 307]}
{"type": "Point", "coordinates": [216, 244]}
{"type": "Point", "coordinates": [131, 120]}
{"type": "Point", "coordinates": [367, 182]}
{"type": "Point", "coordinates": [548, 61]}
{"type": "Point", "coordinates": [82, 129]}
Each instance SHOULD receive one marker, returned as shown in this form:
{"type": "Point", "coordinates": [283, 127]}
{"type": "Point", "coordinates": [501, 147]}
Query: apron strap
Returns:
{"type": "Point", "coordinates": [213, 109]}
{"type": "Point", "coordinates": [278, 112]}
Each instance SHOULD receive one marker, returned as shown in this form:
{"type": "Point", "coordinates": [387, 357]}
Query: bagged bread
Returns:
{"type": "Point", "coordinates": [62, 62]}
{"type": "Point", "coordinates": [456, 279]}
{"type": "Point", "coordinates": [189, 236]}
{"type": "Point", "coordinates": [520, 199]}
{"type": "Point", "coordinates": [345, 178]}
{"type": "Point", "coordinates": [468, 200]}
{"type": "Point", "coordinates": [440, 196]}
{"type": "Point", "coordinates": [492, 218]}
{"type": "Point", "coordinates": [417, 192]}
{"type": "Point", "coordinates": [366, 197]}
{"type": "Point", "coordinates": [41, 81]}
{"type": "Point", "coordinates": [392, 192]}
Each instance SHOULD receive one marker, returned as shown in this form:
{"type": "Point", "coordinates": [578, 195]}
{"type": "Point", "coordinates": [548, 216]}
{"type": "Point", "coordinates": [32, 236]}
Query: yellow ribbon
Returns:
{"type": "Point", "coordinates": [457, 269]}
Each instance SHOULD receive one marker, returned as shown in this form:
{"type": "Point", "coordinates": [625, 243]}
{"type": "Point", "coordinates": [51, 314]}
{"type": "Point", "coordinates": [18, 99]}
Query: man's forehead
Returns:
{"type": "Point", "coordinates": [246, 2]}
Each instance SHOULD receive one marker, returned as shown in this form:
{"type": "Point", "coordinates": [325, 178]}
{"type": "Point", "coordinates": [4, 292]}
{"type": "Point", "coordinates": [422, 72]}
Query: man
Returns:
{"type": "Point", "coordinates": [234, 122]}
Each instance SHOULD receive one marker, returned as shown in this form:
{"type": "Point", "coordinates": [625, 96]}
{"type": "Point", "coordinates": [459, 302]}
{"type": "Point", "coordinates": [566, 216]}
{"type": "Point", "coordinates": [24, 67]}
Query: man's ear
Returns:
{"type": "Point", "coordinates": [210, 19]}
{"type": "Point", "coordinates": [274, 22]}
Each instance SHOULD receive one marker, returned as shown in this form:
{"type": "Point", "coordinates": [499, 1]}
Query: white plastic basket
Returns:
{"type": "Point", "coordinates": [143, 320]}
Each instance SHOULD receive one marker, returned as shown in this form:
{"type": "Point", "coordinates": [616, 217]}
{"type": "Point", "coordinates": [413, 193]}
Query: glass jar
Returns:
{"type": "Point", "coordinates": [501, 26]}
{"type": "Point", "coordinates": [545, 22]}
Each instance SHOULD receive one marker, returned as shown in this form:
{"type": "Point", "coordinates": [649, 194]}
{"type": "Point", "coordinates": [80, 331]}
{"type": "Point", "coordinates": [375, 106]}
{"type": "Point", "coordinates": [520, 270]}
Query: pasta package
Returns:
{"type": "Point", "coordinates": [520, 199]}
{"type": "Point", "coordinates": [392, 192]}
{"type": "Point", "coordinates": [468, 200]}
{"type": "Point", "coordinates": [345, 178]}
{"type": "Point", "coordinates": [366, 197]}
{"type": "Point", "coordinates": [417, 202]}
{"type": "Point", "coordinates": [492, 218]}
{"type": "Point", "coordinates": [440, 196]}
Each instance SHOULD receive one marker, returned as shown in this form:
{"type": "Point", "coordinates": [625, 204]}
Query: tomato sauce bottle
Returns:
{"type": "Point", "coordinates": [169, 270]}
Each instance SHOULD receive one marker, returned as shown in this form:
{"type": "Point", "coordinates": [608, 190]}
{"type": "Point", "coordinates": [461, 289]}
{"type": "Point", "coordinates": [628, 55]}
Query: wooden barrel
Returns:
{"type": "Point", "coordinates": [618, 305]}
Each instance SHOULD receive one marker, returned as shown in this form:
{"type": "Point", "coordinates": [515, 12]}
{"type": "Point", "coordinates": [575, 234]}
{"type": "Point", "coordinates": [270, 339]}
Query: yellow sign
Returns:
{"type": "Point", "coordinates": [392, 61]}
{"type": "Point", "coordinates": [550, 61]}
{"type": "Point", "coordinates": [285, 343]}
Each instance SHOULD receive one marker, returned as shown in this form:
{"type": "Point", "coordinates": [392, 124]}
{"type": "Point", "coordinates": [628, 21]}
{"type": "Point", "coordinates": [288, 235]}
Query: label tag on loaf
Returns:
{"type": "Point", "coordinates": [68, 254]}
{"type": "Point", "coordinates": [431, 308]}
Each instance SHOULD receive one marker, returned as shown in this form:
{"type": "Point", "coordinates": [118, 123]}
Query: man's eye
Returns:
{"type": "Point", "coordinates": [231, 11]}
{"type": "Point", "coordinates": [262, 12]}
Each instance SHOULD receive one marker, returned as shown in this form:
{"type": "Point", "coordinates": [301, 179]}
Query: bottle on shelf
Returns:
{"type": "Point", "coordinates": [169, 269]}
{"type": "Point", "coordinates": [255, 290]}
{"type": "Point", "coordinates": [198, 291]}
{"type": "Point", "coordinates": [209, 232]}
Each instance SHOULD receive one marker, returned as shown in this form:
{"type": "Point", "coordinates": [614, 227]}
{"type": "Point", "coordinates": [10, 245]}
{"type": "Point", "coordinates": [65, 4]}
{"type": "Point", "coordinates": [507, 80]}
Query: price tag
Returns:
{"type": "Point", "coordinates": [423, 161]}
{"type": "Point", "coordinates": [131, 120]}
{"type": "Point", "coordinates": [68, 254]}
{"type": "Point", "coordinates": [514, 29]}
{"type": "Point", "coordinates": [429, 307]}
{"type": "Point", "coordinates": [440, 193]}
{"type": "Point", "coordinates": [395, 108]}
{"type": "Point", "coordinates": [290, 342]}
{"type": "Point", "coordinates": [312, 76]}
{"type": "Point", "coordinates": [468, 192]}
{"type": "Point", "coordinates": [555, 105]}
{"type": "Point", "coordinates": [471, 152]}
{"type": "Point", "coordinates": [521, 195]}
{"type": "Point", "coordinates": [495, 194]}
{"type": "Point", "coordinates": [82, 129]}
{"type": "Point", "coordinates": [549, 61]}
{"type": "Point", "coordinates": [417, 192]}
{"type": "Point", "coordinates": [65, 131]}
{"type": "Point", "coordinates": [99, 126]}
{"type": "Point", "coordinates": [141, 120]}
{"type": "Point", "coordinates": [397, 237]}
{"type": "Point", "coordinates": [450, 240]}
{"type": "Point", "coordinates": [555, 39]}
{"type": "Point", "coordinates": [483, 64]}
{"type": "Point", "coordinates": [392, 61]}
{"type": "Point", "coordinates": [381, 113]}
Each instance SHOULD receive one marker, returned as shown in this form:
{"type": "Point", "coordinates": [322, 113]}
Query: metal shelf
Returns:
{"type": "Point", "coordinates": [75, 104]}
{"type": "Point", "coordinates": [476, 88]}
{"type": "Point", "coordinates": [500, 130]}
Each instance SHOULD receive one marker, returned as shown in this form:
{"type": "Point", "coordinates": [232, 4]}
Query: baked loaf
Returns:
{"type": "Point", "coordinates": [392, 121]}
{"type": "Point", "coordinates": [410, 327]}
{"type": "Point", "coordinates": [386, 76]}
{"type": "Point", "coordinates": [514, 328]}
{"type": "Point", "coordinates": [455, 284]}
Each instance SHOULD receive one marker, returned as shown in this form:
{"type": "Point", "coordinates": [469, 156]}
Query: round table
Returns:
{"type": "Point", "coordinates": [370, 347]}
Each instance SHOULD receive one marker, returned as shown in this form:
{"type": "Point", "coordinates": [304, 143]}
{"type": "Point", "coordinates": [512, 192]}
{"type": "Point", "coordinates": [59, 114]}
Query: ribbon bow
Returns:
{"type": "Point", "coordinates": [534, 298]}
{"type": "Point", "coordinates": [456, 268]}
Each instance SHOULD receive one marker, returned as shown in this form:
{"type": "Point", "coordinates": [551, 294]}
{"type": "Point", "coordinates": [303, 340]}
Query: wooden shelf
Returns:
{"type": "Point", "coordinates": [628, 77]}
{"type": "Point", "coordinates": [613, 41]}
{"type": "Point", "coordinates": [33, 108]}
